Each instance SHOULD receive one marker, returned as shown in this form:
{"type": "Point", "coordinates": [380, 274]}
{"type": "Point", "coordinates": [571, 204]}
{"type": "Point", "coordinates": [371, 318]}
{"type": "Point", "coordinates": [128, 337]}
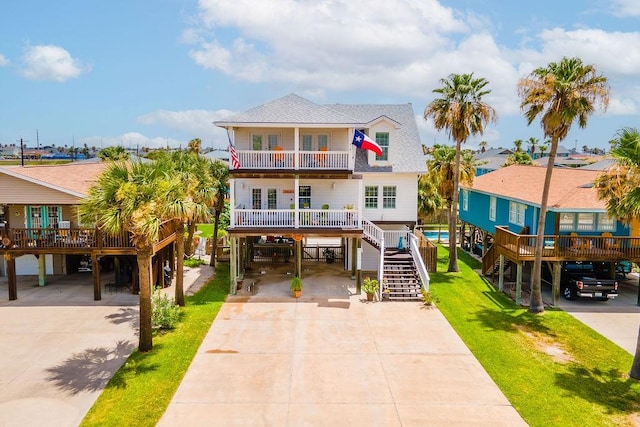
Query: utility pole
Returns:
{"type": "Point", "coordinates": [22, 151]}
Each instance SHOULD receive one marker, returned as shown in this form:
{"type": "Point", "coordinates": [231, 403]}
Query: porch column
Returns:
{"type": "Point", "coordinates": [518, 283]}
{"type": "Point", "coordinates": [233, 270]}
{"type": "Point", "coordinates": [232, 202]}
{"type": "Point", "coordinates": [359, 265]}
{"type": "Point", "coordinates": [555, 286]}
{"type": "Point", "coordinates": [42, 270]}
{"type": "Point", "coordinates": [501, 273]}
{"type": "Point", "coordinates": [12, 282]}
{"type": "Point", "coordinates": [354, 256]}
{"type": "Point", "coordinates": [298, 269]}
{"type": "Point", "coordinates": [97, 287]}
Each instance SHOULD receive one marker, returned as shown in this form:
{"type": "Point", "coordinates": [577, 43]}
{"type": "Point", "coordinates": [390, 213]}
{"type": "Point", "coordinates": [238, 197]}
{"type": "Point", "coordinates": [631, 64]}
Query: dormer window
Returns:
{"type": "Point", "coordinates": [382, 139]}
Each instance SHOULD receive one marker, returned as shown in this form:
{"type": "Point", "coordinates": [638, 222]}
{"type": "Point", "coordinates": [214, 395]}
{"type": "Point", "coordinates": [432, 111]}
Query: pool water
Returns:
{"type": "Point", "coordinates": [433, 235]}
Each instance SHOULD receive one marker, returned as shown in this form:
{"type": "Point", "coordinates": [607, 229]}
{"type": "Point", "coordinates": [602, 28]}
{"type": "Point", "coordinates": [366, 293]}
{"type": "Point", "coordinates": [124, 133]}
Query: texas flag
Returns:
{"type": "Point", "coordinates": [361, 140]}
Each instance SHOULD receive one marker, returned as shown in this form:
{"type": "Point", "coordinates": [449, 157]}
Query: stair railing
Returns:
{"type": "Point", "coordinates": [414, 248]}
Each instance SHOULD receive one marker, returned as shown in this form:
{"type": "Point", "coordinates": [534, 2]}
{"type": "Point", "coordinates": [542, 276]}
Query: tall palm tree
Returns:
{"type": "Point", "coordinates": [439, 184]}
{"type": "Point", "coordinates": [131, 198]}
{"type": "Point", "coordinates": [483, 146]}
{"type": "Point", "coordinates": [220, 173]}
{"type": "Point", "coordinates": [461, 111]}
{"type": "Point", "coordinates": [189, 203]}
{"type": "Point", "coordinates": [619, 185]}
{"type": "Point", "coordinates": [560, 93]}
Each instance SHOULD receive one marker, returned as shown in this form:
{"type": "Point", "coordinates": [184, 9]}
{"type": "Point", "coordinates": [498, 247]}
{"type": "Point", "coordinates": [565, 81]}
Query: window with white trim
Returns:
{"type": "Point", "coordinates": [389, 197]}
{"type": "Point", "coordinates": [465, 200]}
{"type": "Point", "coordinates": [516, 213]}
{"type": "Point", "coordinates": [371, 197]}
{"type": "Point", "coordinates": [567, 220]}
{"type": "Point", "coordinates": [304, 196]}
{"type": "Point", "coordinates": [492, 208]}
{"type": "Point", "coordinates": [382, 139]}
{"type": "Point", "coordinates": [586, 221]}
{"type": "Point", "coordinates": [606, 223]}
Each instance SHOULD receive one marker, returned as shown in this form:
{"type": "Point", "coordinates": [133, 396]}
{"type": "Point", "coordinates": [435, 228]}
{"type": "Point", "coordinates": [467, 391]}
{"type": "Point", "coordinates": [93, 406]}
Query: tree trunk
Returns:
{"type": "Point", "coordinates": [635, 368]}
{"type": "Point", "coordinates": [179, 296]}
{"type": "Point", "coordinates": [535, 301]}
{"type": "Point", "coordinates": [453, 215]}
{"type": "Point", "coordinates": [144, 277]}
{"type": "Point", "coordinates": [214, 248]}
{"type": "Point", "coordinates": [188, 243]}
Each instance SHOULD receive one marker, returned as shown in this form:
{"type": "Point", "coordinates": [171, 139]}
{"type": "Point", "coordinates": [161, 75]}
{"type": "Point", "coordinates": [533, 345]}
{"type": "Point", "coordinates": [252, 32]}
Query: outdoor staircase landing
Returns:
{"type": "Point", "coordinates": [401, 277]}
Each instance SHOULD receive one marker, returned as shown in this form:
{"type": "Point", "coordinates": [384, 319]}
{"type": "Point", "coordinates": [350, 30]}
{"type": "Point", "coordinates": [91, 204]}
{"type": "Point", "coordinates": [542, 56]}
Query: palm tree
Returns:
{"type": "Point", "coordinates": [131, 198]}
{"type": "Point", "coordinates": [189, 203]}
{"type": "Point", "coordinates": [518, 158]}
{"type": "Point", "coordinates": [220, 173]}
{"type": "Point", "coordinates": [533, 143]}
{"type": "Point", "coordinates": [561, 93]}
{"type": "Point", "coordinates": [518, 144]}
{"type": "Point", "coordinates": [619, 185]}
{"type": "Point", "coordinates": [461, 111]}
{"type": "Point", "coordinates": [483, 146]}
{"type": "Point", "coordinates": [543, 148]}
{"type": "Point", "coordinates": [439, 182]}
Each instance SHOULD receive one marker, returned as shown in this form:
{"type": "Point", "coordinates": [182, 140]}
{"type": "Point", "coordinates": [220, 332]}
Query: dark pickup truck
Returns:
{"type": "Point", "coordinates": [585, 279]}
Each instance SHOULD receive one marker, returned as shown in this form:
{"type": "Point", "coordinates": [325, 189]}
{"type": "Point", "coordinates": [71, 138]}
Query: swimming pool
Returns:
{"type": "Point", "coordinates": [433, 234]}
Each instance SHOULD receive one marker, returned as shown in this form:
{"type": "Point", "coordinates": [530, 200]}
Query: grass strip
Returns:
{"type": "Point", "coordinates": [553, 369]}
{"type": "Point", "coordinates": [141, 390]}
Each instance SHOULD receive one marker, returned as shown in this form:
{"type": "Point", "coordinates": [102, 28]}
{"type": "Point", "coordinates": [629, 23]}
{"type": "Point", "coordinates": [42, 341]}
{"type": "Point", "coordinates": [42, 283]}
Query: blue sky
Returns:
{"type": "Point", "coordinates": [157, 73]}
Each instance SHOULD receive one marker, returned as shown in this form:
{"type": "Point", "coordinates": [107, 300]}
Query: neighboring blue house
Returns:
{"type": "Point", "coordinates": [511, 197]}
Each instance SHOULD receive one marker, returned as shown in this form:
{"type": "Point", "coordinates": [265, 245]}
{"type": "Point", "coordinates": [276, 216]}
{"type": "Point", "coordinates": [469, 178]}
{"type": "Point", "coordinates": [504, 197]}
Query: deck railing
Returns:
{"type": "Point", "coordinates": [521, 247]}
{"type": "Point", "coordinates": [286, 159]}
{"type": "Point", "coordinates": [306, 218]}
{"type": "Point", "coordinates": [60, 238]}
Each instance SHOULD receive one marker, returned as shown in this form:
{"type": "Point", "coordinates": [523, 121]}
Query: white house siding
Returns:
{"type": "Point", "coordinates": [406, 197]}
{"type": "Point", "coordinates": [336, 193]}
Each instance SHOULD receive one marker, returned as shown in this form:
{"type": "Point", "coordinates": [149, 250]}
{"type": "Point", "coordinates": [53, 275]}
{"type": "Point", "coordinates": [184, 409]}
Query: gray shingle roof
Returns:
{"type": "Point", "coordinates": [290, 109]}
{"type": "Point", "coordinates": [295, 110]}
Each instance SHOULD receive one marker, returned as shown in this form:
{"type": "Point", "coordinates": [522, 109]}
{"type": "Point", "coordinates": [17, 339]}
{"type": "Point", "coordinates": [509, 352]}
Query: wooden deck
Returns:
{"type": "Point", "coordinates": [520, 247]}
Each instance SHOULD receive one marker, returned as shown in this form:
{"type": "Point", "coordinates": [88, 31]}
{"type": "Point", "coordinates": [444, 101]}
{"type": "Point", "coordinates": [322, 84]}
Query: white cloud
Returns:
{"type": "Point", "coordinates": [198, 123]}
{"type": "Point", "coordinates": [3, 60]}
{"type": "Point", "coordinates": [53, 63]}
{"type": "Point", "coordinates": [626, 7]}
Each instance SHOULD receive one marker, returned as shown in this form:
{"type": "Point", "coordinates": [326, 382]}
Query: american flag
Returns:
{"type": "Point", "coordinates": [235, 162]}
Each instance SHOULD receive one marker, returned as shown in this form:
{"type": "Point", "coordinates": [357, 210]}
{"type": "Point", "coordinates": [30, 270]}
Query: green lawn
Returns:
{"type": "Point", "coordinates": [141, 390]}
{"type": "Point", "coordinates": [553, 369]}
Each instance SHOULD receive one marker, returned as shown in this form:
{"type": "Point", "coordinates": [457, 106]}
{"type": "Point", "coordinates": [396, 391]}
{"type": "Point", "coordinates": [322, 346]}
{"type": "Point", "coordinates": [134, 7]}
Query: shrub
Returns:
{"type": "Point", "coordinates": [165, 314]}
{"type": "Point", "coordinates": [427, 297]}
{"type": "Point", "coordinates": [370, 286]}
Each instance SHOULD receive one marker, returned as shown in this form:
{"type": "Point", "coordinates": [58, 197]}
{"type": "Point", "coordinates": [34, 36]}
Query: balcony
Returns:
{"type": "Point", "coordinates": [521, 247]}
{"type": "Point", "coordinates": [73, 240]}
{"type": "Point", "coordinates": [288, 218]}
{"type": "Point", "coordinates": [292, 160]}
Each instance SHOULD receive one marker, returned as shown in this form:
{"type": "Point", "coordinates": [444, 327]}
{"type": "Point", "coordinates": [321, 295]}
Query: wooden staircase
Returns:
{"type": "Point", "coordinates": [402, 282]}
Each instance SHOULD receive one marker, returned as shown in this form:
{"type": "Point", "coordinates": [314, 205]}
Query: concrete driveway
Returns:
{"type": "Point", "coordinates": [59, 348]}
{"type": "Point", "coordinates": [617, 319]}
{"type": "Point", "coordinates": [330, 358]}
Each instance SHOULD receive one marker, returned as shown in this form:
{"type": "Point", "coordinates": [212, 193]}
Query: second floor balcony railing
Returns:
{"type": "Point", "coordinates": [286, 218]}
{"type": "Point", "coordinates": [286, 159]}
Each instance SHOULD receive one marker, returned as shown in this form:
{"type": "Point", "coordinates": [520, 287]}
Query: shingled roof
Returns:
{"type": "Point", "coordinates": [294, 110]}
{"type": "Point", "coordinates": [570, 190]}
{"type": "Point", "coordinates": [73, 178]}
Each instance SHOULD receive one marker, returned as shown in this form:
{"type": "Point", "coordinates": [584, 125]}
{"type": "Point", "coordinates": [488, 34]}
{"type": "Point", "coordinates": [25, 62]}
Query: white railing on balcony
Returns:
{"type": "Point", "coordinates": [286, 159]}
{"type": "Point", "coordinates": [306, 218]}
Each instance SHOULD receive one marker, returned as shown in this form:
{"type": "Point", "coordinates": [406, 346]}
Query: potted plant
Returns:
{"type": "Point", "coordinates": [370, 287]}
{"type": "Point", "coordinates": [296, 287]}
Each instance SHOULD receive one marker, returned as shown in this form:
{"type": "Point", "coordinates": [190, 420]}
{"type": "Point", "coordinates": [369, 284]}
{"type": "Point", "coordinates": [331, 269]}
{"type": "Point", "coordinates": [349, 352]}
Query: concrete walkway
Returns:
{"type": "Point", "coordinates": [331, 359]}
